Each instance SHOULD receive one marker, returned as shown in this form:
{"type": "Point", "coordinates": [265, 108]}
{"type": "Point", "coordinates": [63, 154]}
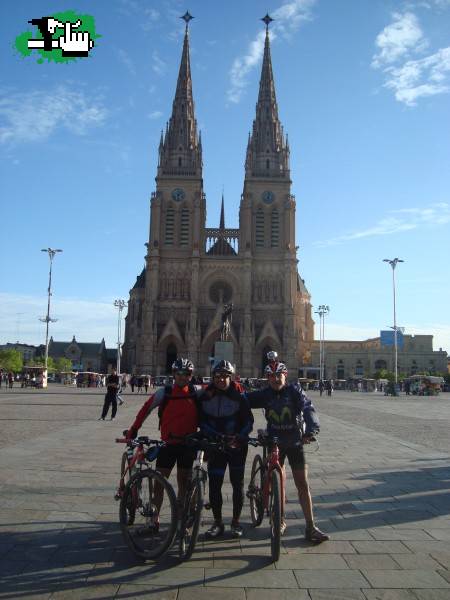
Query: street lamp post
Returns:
{"type": "Point", "coordinates": [120, 305]}
{"type": "Point", "coordinates": [51, 255]}
{"type": "Point", "coordinates": [393, 262]}
{"type": "Point", "coordinates": [323, 310]}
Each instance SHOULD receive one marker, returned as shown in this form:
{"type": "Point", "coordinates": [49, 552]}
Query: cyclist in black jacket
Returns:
{"type": "Point", "coordinates": [286, 408]}
{"type": "Point", "coordinates": [224, 411]}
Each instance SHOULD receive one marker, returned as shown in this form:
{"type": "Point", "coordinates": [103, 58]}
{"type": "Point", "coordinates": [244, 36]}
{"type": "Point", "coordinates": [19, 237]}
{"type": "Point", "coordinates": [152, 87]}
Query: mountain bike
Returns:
{"type": "Point", "coordinates": [266, 490]}
{"type": "Point", "coordinates": [148, 506]}
{"type": "Point", "coordinates": [194, 498]}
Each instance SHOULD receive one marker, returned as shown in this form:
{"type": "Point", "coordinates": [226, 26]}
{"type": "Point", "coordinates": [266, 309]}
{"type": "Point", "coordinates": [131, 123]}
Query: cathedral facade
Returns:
{"type": "Point", "coordinates": [191, 270]}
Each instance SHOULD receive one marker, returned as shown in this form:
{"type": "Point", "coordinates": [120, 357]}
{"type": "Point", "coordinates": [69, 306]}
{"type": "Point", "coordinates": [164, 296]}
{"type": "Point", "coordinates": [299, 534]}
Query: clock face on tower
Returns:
{"type": "Point", "coordinates": [178, 194]}
{"type": "Point", "coordinates": [268, 197]}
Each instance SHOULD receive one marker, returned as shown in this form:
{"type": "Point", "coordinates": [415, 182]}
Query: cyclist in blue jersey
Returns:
{"type": "Point", "coordinates": [286, 409]}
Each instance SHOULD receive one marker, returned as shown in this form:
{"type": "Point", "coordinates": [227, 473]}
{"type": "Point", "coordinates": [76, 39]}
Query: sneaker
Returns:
{"type": "Point", "coordinates": [236, 530]}
{"type": "Point", "coordinates": [313, 534]}
{"type": "Point", "coordinates": [283, 527]}
{"type": "Point", "coordinates": [101, 418]}
{"type": "Point", "coordinates": [215, 530]}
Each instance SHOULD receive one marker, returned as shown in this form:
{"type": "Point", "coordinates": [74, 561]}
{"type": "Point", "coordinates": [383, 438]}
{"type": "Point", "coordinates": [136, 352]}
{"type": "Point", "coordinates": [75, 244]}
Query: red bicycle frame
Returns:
{"type": "Point", "coordinates": [272, 463]}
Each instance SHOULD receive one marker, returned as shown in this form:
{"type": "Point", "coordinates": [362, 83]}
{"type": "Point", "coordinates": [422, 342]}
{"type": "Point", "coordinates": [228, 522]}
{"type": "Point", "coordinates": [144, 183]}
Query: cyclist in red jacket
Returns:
{"type": "Point", "coordinates": [178, 416]}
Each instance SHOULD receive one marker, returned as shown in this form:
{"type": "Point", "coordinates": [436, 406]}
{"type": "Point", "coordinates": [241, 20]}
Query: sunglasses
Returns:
{"type": "Point", "coordinates": [221, 375]}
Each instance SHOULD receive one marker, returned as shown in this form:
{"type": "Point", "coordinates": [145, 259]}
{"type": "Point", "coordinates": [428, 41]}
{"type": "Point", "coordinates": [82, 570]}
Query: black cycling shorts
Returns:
{"type": "Point", "coordinates": [175, 453]}
{"type": "Point", "coordinates": [295, 456]}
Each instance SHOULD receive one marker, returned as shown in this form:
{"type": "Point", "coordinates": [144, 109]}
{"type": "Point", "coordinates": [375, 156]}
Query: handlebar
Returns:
{"type": "Point", "coordinates": [141, 440]}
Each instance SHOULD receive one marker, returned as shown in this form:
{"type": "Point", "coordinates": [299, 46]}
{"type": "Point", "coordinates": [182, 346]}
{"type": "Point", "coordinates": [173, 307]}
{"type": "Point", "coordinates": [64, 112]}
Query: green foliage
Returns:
{"type": "Point", "coordinates": [63, 364]}
{"type": "Point", "coordinates": [39, 361]}
{"type": "Point", "coordinates": [11, 360]}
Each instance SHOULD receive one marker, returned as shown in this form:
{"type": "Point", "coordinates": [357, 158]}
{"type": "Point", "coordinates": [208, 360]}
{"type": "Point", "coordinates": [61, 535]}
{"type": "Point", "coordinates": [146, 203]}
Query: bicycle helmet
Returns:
{"type": "Point", "coordinates": [223, 366]}
{"type": "Point", "coordinates": [272, 356]}
{"type": "Point", "coordinates": [183, 365]}
{"type": "Point", "coordinates": [275, 369]}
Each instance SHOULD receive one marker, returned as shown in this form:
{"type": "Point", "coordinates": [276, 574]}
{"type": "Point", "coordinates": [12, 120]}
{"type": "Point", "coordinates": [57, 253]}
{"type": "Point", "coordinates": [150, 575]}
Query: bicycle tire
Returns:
{"type": "Point", "coordinates": [275, 515]}
{"type": "Point", "coordinates": [146, 537]}
{"type": "Point", "coordinates": [126, 476]}
{"type": "Point", "coordinates": [190, 522]}
{"type": "Point", "coordinates": [255, 491]}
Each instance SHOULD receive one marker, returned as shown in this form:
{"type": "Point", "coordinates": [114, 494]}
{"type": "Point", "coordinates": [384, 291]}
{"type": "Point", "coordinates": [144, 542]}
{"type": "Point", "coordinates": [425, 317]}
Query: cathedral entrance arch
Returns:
{"type": "Point", "coordinates": [171, 355]}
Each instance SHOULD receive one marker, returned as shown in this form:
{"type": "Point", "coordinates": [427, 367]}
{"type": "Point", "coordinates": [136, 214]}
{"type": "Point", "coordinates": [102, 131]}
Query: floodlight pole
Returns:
{"type": "Point", "coordinates": [51, 255]}
{"type": "Point", "coordinates": [323, 310]}
{"type": "Point", "coordinates": [120, 305]}
{"type": "Point", "coordinates": [393, 262]}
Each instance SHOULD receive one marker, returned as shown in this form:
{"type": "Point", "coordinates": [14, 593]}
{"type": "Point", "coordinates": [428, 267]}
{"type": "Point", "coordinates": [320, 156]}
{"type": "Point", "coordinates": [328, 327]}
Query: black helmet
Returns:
{"type": "Point", "coordinates": [223, 366]}
{"type": "Point", "coordinates": [183, 365]}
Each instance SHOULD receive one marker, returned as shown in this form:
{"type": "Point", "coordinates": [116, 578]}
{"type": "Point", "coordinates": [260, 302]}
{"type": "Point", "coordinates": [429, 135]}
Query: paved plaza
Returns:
{"type": "Point", "coordinates": [380, 482]}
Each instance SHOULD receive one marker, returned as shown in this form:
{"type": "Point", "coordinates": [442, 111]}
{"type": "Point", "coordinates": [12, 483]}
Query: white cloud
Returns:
{"type": "Point", "coordinates": [158, 65]}
{"type": "Point", "coordinates": [418, 78]}
{"type": "Point", "coordinates": [398, 221]}
{"type": "Point", "coordinates": [156, 114]}
{"type": "Point", "coordinates": [125, 59]}
{"type": "Point", "coordinates": [89, 321]}
{"type": "Point", "coordinates": [34, 116]}
{"type": "Point", "coordinates": [398, 39]}
{"type": "Point", "coordinates": [144, 16]}
{"type": "Point", "coordinates": [410, 78]}
{"type": "Point", "coordinates": [287, 19]}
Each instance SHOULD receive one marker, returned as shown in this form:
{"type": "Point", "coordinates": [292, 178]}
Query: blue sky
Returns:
{"type": "Point", "coordinates": [363, 90]}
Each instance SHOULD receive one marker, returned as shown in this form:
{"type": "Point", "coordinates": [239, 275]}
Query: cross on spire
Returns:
{"type": "Point", "coordinates": [186, 18]}
{"type": "Point", "coordinates": [267, 20]}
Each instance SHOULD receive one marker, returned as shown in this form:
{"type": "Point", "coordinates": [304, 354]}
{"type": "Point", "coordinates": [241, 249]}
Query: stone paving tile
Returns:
{"type": "Point", "coordinates": [427, 546]}
{"type": "Point", "coordinates": [244, 562]}
{"type": "Point", "coordinates": [389, 533]}
{"type": "Point", "coordinates": [330, 594]}
{"type": "Point", "coordinates": [311, 561]}
{"type": "Point", "coordinates": [417, 578]}
{"type": "Point", "coordinates": [370, 561]}
{"type": "Point", "coordinates": [210, 593]}
{"type": "Point", "coordinates": [265, 578]}
{"type": "Point", "coordinates": [86, 593]}
{"type": "Point", "coordinates": [147, 574]}
{"type": "Point", "coordinates": [417, 561]}
{"type": "Point", "coordinates": [389, 594]}
{"type": "Point", "coordinates": [330, 547]}
{"type": "Point", "coordinates": [443, 558]}
{"type": "Point", "coordinates": [383, 547]}
{"type": "Point", "coordinates": [439, 534]}
{"type": "Point", "coordinates": [445, 574]}
{"type": "Point", "coordinates": [142, 592]}
{"type": "Point", "coordinates": [432, 594]}
{"type": "Point", "coordinates": [354, 535]}
{"type": "Point", "coordinates": [286, 594]}
{"type": "Point", "coordinates": [330, 579]}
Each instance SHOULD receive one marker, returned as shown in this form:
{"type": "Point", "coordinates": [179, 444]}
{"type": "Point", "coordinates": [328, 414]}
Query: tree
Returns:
{"type": "Point", "coordinates": [39, 361]}
{"type": "Point", "coordinates": [11, 360]}
{"type": "Point", "coordinates": [63, 364]}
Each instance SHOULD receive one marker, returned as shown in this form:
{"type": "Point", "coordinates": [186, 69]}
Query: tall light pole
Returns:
{"type": "Point", "coordinates": [323, 310]}
{"type": "Point", "coordinates": [51, 255]}
{"type": "Point", "coordinates": [120, 305]}
{"type": "Point", "coordinates": [394, 262]}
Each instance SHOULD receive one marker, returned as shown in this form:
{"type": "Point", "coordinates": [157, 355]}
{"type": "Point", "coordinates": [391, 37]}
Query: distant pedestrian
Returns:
{"type": "Point", "coordinates": [112, 388]}
{"type": "Point", "coordinates": [124, 381]}
{"type": "Point", "coordinates": [140, 383]}
{"type": "Point", "coordinates": [321, 387]}
{"type": "Point", "coordinates": [11, 379]}
{"type": "Point", "coordinates": [132, 382]}
{"type": "Point", "coordinates": [329, 387]}
{"type": "Point", "coordinates": [146, 383]}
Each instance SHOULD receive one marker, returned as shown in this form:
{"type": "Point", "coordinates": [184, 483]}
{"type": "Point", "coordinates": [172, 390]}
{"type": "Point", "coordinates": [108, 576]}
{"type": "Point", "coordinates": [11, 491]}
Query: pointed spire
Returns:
{"type": "Point", "coordinates": [181, 153]}
{"type": "Point", "coordinates": [222, 215]}
{"type": "Point", "coordinates": [267, 154]}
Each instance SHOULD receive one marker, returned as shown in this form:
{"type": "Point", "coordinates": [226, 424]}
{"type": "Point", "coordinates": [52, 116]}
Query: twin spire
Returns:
{"type": "Point", "coordinates": [180, 149]}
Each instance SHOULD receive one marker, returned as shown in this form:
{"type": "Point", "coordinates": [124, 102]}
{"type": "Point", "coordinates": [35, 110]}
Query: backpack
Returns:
{"type": "Point", "coordinates": [168, 396]}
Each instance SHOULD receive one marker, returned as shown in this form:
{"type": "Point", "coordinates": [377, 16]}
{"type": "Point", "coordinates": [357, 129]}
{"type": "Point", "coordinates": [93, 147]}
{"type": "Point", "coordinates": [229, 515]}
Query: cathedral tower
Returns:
{"type": "Point", "coordinates": [191, 270]}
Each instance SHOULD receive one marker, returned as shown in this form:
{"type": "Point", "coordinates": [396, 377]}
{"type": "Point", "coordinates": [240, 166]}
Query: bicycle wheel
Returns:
{"type": "Point", "coordinates": [154, 507]}
{"type": "Point", "coordinates": [190, 521]}
{"type": "Point", "coordinates": [126, 476]}
{"type": "Point", "coordinates": [275, 515]}
{"type": "Point", "coordinates": [255, 491]}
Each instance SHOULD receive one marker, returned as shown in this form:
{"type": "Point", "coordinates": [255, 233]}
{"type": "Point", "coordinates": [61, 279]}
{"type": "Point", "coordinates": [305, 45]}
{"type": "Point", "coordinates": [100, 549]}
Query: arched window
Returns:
{"type": "Point", "coordinates": [179, 161]}
{"type": "Point", "coordinates": [184, 227]}
{"type": "Point", "coordinates": [170, 224]}
{"type": "Point", "coordinates": [267, 164]}
{"type": "Point", "coordinates": [260, 226]}
{"type": "Point", "coordinates": [274, 229]}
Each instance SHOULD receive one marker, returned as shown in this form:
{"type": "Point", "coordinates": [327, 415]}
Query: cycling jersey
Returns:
{"type": "Point", "coordinates": [285, 410]}
{"type": "Point", "coordinates": [225, 411]}
{"type": "Point", "coordinates": [180, 414]}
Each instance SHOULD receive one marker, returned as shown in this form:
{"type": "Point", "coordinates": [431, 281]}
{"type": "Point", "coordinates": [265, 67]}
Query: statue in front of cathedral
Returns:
{"type": "Point", "coordinates": [226, 318]}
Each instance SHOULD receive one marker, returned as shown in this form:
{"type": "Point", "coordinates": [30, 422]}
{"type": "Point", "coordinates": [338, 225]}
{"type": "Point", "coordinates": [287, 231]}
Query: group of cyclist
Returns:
{"type": "Point", "coordinates": [224, 409]}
